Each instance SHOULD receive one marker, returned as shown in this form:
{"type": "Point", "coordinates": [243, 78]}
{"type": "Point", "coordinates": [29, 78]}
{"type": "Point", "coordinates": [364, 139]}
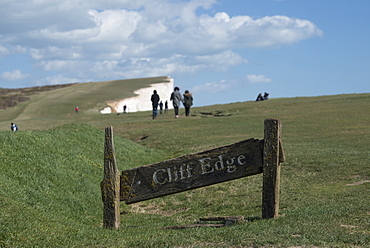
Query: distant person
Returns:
{"type": "Point", "coordinates": [124, 108]}
{"type": "Point", "coordinates": [259, 97]}
{"type": "Point", "coordinates": [266, 96]}
{"type": "Point", "coordinates": [161, 107]}
{"type": "Point", "coordinates": [13, 127]}
{"type": "Point", "coordinates": [155, 100]}
{"type": "Point", "coordinates": [176, 99]}
{"type": "Point", "coordinates": [76, 109]}
{"type": "Point", "coordinates": [188, 102]}
{"type": "Point", "coordinates": [166, 107]}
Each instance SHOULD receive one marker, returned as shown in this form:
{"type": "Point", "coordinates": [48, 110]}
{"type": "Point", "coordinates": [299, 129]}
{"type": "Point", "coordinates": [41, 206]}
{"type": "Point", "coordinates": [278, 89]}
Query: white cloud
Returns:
{"type": "Point", "coordinates": [53, 52]}
{"type": "Point", "coordinates": [269, 31]}
{"type": "Point", "coordinates": [3, 51]}
{"type": "Point", "coordinates": [213, 87]}
{"type": "Point", "coordinates": [93, 38]}
{"type": "Point", "coordinates": [60, 65]}
{"type": "Point", "coordinates": [230, 84]}
{"type": "Point", "coordinates": [253, 79]}
{"type": "Point", "coordinates": [58, 79]}
{"type": "Point", "coordinates": [113, 25]}
{"type": "Point", "coordinates": [18, 49]}
{"type": "Point", "coordinates": [14, 75]}
{"type": "Point", "coordinates": [11, 50]}
{"type": "Point", "coordinates": [221, 60]}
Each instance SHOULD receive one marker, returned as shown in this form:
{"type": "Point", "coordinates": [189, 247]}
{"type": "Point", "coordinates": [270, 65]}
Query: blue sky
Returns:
{"type": "Point", "coordinates": [220, 50]}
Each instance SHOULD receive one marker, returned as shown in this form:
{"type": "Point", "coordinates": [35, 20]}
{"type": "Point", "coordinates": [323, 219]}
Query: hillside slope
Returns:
{"type": "Point", "coordinates": [59, 104]}
{"type": "Point", "coordinates": [49, 192]}
{"type": "Point", "coordinates": [12, 97]}
{"type": "Point", "coordinates": [50, 195]}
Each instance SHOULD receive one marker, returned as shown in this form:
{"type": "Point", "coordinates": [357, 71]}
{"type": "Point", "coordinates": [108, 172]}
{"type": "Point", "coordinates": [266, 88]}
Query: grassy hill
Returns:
{"type": "Point", "coordinates": [50, 107]}
{"type": "Point", "coordinates": [50, 193]}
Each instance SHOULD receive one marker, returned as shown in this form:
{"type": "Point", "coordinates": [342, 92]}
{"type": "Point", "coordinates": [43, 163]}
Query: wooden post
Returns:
{"type": "Point", "coordinates": [110, 186]}
{"type": "Point", "coordinates": [271, 169]}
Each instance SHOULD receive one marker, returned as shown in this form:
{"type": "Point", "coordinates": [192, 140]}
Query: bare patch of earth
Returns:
{"type": "Point", "coordinates": [155, 209]}
{"type": "Point", "coordinates": [12, 97]}
{"type": "Point", "coordinates": [358, 183]}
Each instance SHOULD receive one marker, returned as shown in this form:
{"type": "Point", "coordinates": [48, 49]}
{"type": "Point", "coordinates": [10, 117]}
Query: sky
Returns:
{"type": "Point", "coordinates": [222, 51]}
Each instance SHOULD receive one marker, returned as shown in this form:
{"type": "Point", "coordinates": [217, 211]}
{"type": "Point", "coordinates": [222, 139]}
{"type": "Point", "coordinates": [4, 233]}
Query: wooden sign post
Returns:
{"type": "Point", "coordinates": [110, 187]}
{"type": "Point", "coordinates": [273, 155]}
{"type": "Point", "coordinates": [242, 159]}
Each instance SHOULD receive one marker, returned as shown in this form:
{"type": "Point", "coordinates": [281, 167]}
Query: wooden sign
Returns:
{"type": "Point", "coordinates": [192, 171]}
{"type": "Point", "coordinates": [245, 158]}
{"type": "Point", "coordinates": [110, 187]}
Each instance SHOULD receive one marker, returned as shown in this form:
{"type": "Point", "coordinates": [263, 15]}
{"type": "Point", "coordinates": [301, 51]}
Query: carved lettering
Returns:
{"type": "Point", "coordinates": [206, 167]}
{"type": "Point", "coordinates": [185, 173]}
{"type": "Point", "coordinates": [230, 165]}
{"type": "Point", "coordinates": [155, 177]}
{"type": "Point", "coordinates": [219, 165]}
{"type": "Point", "coordinates": [172, 179]}
{"type": "Point", "coordinates": [240, 158]}
{"type": "Point", "coordinates": [162, 176]}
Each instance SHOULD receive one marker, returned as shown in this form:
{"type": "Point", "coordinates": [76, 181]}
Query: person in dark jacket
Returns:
{"type": "Point", "coordinates": [259, 97]}
{"type": "Point", "coordinates": [188, 102]}
{"type": "Point", "coordinates": [166, 107]}
{"type": "Point", "coordinates": [176, 99]}
{"type": "Point", "coordinates": [161, 107]}
{"type": "Point", "coordinates": [13, 127]}
{"type": "Point", "coordinates": [155, 100]}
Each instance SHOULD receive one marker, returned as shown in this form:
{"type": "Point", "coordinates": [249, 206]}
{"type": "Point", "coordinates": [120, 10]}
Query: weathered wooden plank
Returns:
{"type": "Point", "coordinates": [193, 225]}
{"type": "Point", "coordinates": [110, 186]}
{"type": "Point", "coordinates": [273, 155]}
{"type": "Point", "coordinates": [192, 171]}
{"type": "Point", "coordinates": [281, 152]}
{"type": "Point", "coordinates": [226, 219]}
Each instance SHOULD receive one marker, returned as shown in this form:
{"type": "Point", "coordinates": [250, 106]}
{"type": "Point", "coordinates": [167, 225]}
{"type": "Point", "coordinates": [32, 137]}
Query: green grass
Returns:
{"type": "Point", "coordinates": [51, 108]}
{"type": "Point", "coordinates": [50, 193]}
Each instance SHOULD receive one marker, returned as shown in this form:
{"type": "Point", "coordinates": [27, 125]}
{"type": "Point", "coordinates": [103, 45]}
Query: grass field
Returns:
{"type": "Point", "coordinates": [51, 171]}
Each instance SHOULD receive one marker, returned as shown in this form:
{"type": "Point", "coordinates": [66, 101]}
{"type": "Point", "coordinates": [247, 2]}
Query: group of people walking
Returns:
{"type": "Point", "coordinates": [186, 99]}
{"type": "Point", "coordinates": [262, 98]}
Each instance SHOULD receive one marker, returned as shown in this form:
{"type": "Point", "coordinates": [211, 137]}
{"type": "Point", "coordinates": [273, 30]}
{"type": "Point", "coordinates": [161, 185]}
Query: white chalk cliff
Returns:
{"type": "Point", "coordinates": [142, 102]}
